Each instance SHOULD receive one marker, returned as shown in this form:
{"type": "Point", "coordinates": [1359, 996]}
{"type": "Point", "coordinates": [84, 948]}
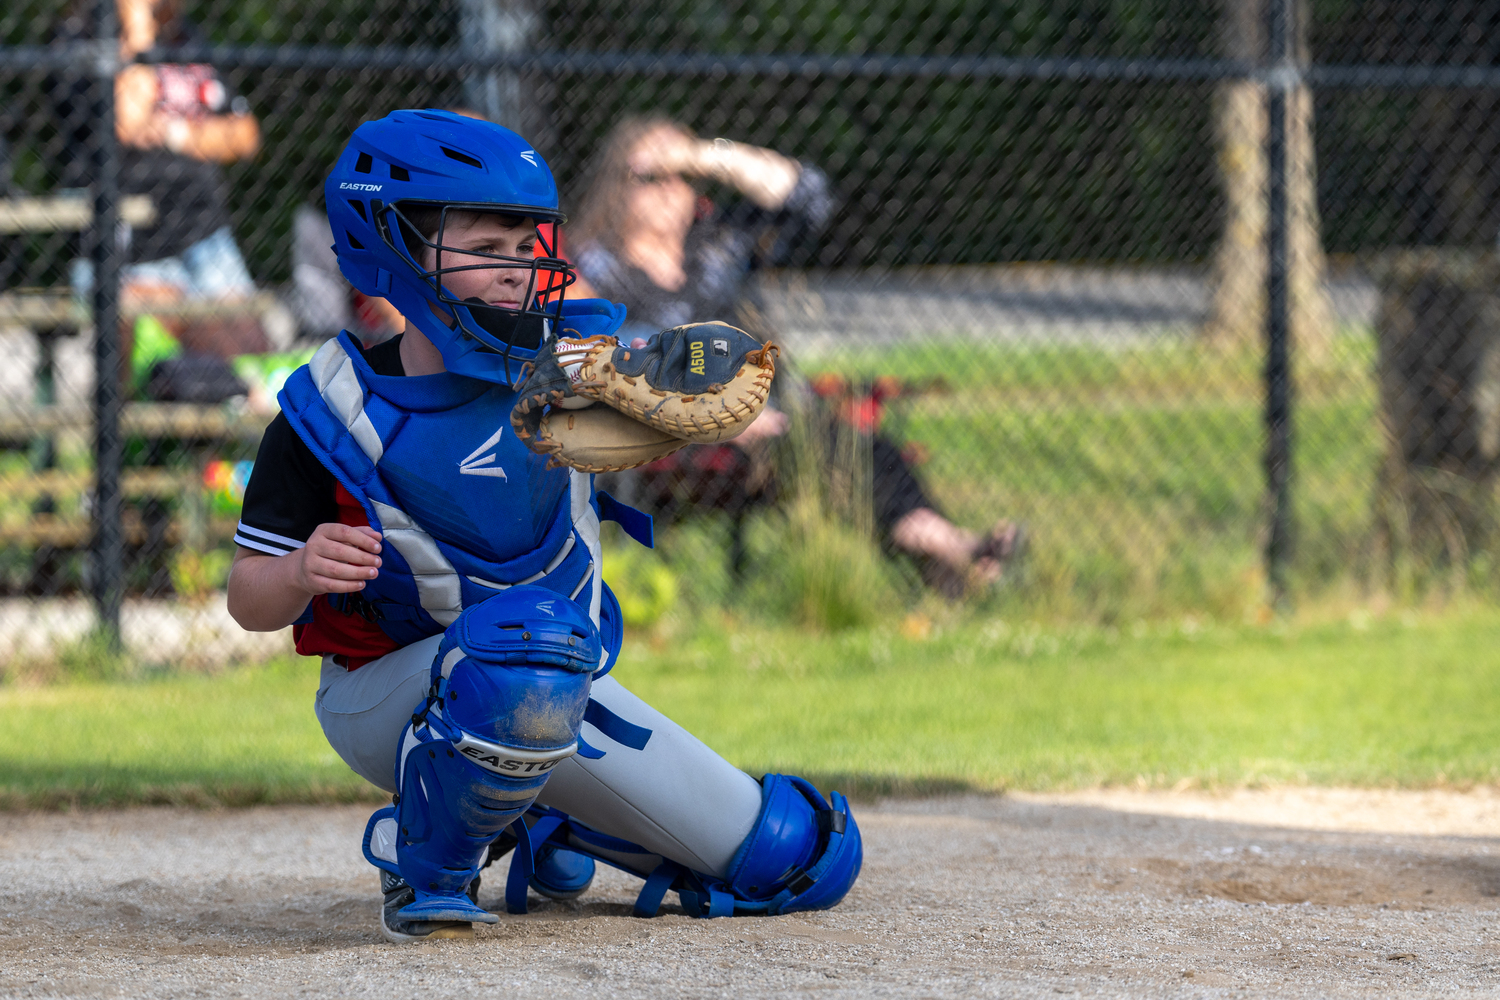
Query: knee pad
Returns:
{"type": "Point", "coordinates": [510, 683]}
{"type": "Point", "coordinates": [802, 854]}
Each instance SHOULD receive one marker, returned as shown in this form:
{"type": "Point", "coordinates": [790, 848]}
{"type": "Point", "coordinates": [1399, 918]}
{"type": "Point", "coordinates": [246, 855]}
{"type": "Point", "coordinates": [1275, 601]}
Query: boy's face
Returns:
{"type": "Point", "coordinates": [493, 283]}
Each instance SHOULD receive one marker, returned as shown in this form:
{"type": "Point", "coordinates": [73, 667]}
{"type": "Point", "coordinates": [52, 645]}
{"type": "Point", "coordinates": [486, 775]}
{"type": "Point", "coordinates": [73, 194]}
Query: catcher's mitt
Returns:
{"type": "Point", "coordinates": [703, 382]}
{"type": "Point", "coordinates": [698, 383]}
{"type": "Point", "coordinates": [577, 432]}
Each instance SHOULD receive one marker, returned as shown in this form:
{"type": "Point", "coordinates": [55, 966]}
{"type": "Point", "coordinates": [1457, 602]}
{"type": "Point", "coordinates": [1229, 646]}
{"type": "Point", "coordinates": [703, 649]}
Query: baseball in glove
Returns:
{"type": "Point", "coordinates": [704, 382]}
{"type": "Point", "coordinates": [575, 431]}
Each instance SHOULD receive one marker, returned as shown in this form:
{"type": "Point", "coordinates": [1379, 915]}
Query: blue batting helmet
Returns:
{"type": "Point", "coordinates": [426, 164]}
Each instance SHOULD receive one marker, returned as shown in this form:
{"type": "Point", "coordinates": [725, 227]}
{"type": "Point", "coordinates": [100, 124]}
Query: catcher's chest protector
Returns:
{"type": "Point", "coordinates": [466, 510]}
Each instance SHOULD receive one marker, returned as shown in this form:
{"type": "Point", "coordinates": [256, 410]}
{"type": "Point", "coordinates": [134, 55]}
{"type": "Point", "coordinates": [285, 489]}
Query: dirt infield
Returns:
{"type": "Point", "coordinates": [1287, 893]}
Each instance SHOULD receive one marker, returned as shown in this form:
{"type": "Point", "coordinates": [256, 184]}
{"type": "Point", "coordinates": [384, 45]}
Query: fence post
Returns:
{"type": "Point", "coordinates": [1281, 80]}
{"type": "Point", "coordinates": [109, 542]}
{"type": "Point", "coordinates": [489, 28]}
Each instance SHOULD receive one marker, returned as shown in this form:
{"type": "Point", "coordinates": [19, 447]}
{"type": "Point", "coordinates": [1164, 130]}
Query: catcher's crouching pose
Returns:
{"type": "Point", "coordinates": [433, 533]}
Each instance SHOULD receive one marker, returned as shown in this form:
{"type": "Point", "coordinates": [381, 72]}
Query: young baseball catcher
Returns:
{"type": "Point", "coordinates": [424, 513]}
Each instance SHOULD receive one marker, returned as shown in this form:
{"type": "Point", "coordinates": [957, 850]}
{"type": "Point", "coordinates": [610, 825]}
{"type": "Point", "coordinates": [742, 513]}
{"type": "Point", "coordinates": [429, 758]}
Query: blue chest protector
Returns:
{"type": "Point", "coordinates": [466, 510]}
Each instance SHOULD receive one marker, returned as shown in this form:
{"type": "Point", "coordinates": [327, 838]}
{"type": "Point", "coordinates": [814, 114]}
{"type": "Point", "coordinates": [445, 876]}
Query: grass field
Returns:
{"type": "Point", "coordinates": [1410, 701]}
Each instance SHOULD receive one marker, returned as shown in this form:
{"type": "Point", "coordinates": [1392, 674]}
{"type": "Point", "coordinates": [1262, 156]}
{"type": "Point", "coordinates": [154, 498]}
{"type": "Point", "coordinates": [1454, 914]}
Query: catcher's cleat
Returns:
{"type": "Point", "coordinates": [405, 930]}
{"type": "Point", "coordinates": [558, 874]}
{"type": "Point", "coordinates": [562, 874]}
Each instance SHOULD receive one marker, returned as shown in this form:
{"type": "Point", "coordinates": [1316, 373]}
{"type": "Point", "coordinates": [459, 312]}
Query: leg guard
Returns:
{"type": "Point", "coordinates": [801, 854]}
{"type": "Point", "coordinates": [655, 784]}
{"type": "Point", "coordinates": [804, 853]}
{"type": "Point", "coordinates": [510, 683]}
{"type": "Point", "coordinates": [658, 796]}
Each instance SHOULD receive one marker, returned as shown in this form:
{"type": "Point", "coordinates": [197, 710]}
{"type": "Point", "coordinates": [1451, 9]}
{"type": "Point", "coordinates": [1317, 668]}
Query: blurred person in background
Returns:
{"type": "Point", "coordinates": [324, 302]}
{"type": "Point", "coordinates": [645, 236]}
{"type": "Point", "coordinates": [177, 125]}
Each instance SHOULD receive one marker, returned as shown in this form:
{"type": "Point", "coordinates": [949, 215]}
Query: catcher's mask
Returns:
{"type": "Point", "coordinates": [392, 195]}
{"type": "Point", "coordinates": [505, 331]}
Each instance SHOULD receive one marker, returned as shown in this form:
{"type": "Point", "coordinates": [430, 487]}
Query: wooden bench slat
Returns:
{"type": "Point", "coordinates": [50, 215]}
{"type": "Point", "coordinates": [51, 307]}
{"type": "Point", "coordinates": [157, 483]}
{"type": "Point", "coordinates": [162, 420]}
{"type": "Point", "coordinates": [75, 533]}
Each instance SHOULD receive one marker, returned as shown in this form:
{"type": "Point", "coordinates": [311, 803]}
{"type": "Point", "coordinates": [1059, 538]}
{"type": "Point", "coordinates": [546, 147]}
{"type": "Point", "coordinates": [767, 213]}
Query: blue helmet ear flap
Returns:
{"type": "Point", "coordinates": [361, 271]}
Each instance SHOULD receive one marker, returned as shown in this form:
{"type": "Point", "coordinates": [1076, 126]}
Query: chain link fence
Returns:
{"type": "Point", "coordinates": [1200, 294]}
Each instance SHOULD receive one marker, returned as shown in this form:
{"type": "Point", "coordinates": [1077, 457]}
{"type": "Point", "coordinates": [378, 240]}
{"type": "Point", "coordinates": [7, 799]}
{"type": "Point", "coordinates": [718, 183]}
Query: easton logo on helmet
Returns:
{"type": "Point", "coordinates": [530, 157]}
{"type": "Point", "coordinates": [359, 186]}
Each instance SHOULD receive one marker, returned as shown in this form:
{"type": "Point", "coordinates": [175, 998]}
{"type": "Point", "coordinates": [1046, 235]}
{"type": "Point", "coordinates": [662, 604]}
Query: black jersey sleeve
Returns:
{"type": "Point", "coordinates": [289, 494]}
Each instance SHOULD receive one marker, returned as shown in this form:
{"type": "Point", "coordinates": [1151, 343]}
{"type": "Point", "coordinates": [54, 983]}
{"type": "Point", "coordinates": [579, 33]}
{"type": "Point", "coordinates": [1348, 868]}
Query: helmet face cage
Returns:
{"type": "Point", "coordinates": [496, 329]}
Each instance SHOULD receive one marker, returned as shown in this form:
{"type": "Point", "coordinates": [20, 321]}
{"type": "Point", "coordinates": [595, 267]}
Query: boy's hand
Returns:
{"type": "Point", "coordinates": [338, 559]}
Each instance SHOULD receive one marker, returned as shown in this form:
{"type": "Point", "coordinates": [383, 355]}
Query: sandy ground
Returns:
{"type": "Point", "coordinates": [1292, 892]}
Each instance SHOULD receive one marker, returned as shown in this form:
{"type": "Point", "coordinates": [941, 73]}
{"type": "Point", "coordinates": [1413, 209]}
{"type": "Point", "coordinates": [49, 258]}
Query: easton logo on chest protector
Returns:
{"type": "Point", "coordinates": [477, 463]}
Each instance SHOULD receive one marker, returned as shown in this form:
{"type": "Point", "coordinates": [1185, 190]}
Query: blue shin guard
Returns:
{"type": "Point", "coordinates": [510, 683]}
{"type": "Point", "coordinates": [802, 854]}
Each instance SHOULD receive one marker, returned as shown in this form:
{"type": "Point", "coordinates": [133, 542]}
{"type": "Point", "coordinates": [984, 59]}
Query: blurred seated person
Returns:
{"type": "Point", "coordinates": [645, 236]}
{"type": "Point", "coordinates": [177, 125]}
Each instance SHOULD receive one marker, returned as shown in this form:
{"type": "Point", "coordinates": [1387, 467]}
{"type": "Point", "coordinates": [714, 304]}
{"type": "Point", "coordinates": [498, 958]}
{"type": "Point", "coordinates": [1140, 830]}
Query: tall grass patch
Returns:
{"type": "Point", "coordinates": [824, 574]}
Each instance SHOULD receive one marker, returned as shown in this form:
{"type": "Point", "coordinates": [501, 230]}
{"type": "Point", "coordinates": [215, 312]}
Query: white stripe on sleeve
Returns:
{"type": "Point", "coordinates": [265, 541]}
